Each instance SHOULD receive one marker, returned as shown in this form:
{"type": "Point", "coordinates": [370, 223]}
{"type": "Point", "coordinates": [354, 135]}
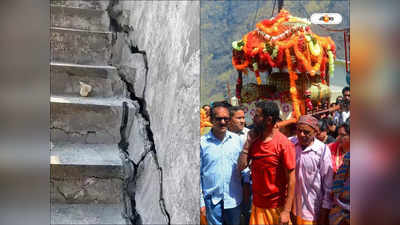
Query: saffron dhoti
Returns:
{"type": "Point", "coordinates": [265, 216]}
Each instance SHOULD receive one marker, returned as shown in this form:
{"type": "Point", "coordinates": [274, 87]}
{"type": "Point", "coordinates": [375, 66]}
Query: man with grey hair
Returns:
{"type": "Point", "coordinates": [314, 174]}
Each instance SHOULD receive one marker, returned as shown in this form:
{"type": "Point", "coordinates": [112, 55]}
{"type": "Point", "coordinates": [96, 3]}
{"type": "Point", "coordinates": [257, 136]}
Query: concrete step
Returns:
{"type": "Point", "coordinates": [85, 155]}
{"type": "Point", "coordinates": [85, 173]}
{"type": "Point", "coordinates": [79, 18]}
{"type": "Point", "coordinates": [84, 4]}
{"type": "Point", "coordinates": [105, 82]}
{"type": "Point", "coordinates": [79, 46]}
{"type": "Point", "coordinates": [87, 120]}
{"type": "Point", "coordinates": [86, 214]}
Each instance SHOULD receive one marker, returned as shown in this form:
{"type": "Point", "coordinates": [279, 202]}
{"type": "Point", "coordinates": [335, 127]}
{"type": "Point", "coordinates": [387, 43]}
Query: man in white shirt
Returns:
{"type": "Point", "coordinates": [237, 122]}
{"type": "Point", "coordinates": [236, 125]}
{"type": "Point", "coordinates": [344, 113]}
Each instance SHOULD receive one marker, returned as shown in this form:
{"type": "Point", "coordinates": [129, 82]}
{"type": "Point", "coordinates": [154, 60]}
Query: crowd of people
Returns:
{"type": "Point", "coordinates": [299, 174]}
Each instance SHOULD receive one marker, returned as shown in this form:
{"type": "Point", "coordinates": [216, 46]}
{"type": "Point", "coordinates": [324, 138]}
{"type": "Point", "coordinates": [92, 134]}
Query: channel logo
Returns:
{"type": "Point", "coordinates": [326, 18]}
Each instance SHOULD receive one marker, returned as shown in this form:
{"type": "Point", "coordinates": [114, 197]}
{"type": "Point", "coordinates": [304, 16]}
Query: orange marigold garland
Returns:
{"type": "Point", "coordinates": [279, 58]}
{"type": "Point", "coordinates": [323, 69]}
{"type": "Point", "coordinates": [293, 90]}
{"type": "Point", "coordinates": [264, 48]}
{"type": "Point", "coordinates": [240, 65]}
{"type": "Point", "coordinates": [264, 55]}
{"type": "Point", "coordinates": [257, 72]}
{"type": "Point", "coordinates": [280, 33]}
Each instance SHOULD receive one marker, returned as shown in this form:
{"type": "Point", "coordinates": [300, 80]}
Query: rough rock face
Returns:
{"type": "Point", "coordinates": [156, 49]}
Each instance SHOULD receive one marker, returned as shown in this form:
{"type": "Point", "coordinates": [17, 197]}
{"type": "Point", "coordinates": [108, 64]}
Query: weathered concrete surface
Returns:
{"type": "Point", "coordinates": [138, 141]}
{"type": "Point", "coordinates": [79, 18]}
{"type": "Point", "coordinates": [148, 192]}
{"type": "Point", "coordinates": [86, 214]}
{"type": "Point", "coordinates": [104, 80]}
{"type": "Point", "coordinates": [85, 4]}
{"type": "Point", "coordinates": [59, 171]}
{"type": "Point", "coordinates": [85, 154]}
{"type": "Point", "coordinates": [133, 64]}
{"type": "Point", "coordinates": [85, 190]}
{"type": "Point", "coordinates": [168, 33]}
{"type": "Point", "coordinates": [82, 173]}
{"type": "Point", "coordinates": [80, 47]}
{"type": "Point", "coordinates": [85, 120]}
{"type": "Point", "coordinates": [85, 165]}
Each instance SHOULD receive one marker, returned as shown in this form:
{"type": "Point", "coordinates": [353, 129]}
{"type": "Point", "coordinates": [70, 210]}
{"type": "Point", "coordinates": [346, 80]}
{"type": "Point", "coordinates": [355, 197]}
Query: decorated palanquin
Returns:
{"type": "Point", "coordinates": [297, 64]}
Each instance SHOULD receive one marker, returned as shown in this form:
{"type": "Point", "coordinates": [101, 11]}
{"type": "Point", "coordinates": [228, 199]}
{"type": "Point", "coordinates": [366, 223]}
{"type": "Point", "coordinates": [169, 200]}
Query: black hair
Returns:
{"type": "Point", "coordinates": [234, 109]}
{"type": "Point", "coordinates": [205, 106]}
{"type": "Point", "coordinates": [215, 105]}
{"type": "Point", "coordinates": [323, 125]}
{"type": "Point", "coordinates": [347, 88]}
{"type": "Point", "coordinates": [269, 108]}
{"type": "Point", "coordinates": [346, 126]}
{"type": "Point", "coordinates": [329, 121]}
{"type": "Point", "coordinates": [339, 101]}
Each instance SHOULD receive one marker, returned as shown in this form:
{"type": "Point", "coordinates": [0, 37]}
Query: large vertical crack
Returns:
{"type": "Point", "coordinates": [150, 147]}
{"type": "Point", "coordinates": [129, 166]}
{"type": "Point", "coordinates": [130, 169]}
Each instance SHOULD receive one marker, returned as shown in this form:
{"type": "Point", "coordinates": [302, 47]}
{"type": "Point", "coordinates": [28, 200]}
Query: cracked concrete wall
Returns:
{"type": "Point", "coordinates": [156, 48]}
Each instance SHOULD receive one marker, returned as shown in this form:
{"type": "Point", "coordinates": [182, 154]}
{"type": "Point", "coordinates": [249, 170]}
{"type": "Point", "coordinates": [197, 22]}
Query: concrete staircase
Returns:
{"type": "Point", "coordinates": [86, 170]}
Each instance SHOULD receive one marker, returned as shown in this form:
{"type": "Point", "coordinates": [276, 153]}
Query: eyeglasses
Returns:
{"type": "Point", "coordinates": [219, 119]}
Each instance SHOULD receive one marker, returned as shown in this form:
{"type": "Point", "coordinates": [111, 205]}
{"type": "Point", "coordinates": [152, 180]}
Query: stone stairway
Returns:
{"type": "Point", "coordinates": [86, 169]}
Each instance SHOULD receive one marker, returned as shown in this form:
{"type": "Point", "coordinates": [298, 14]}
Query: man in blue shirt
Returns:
{"type": "Point", "coordinates": [220, 178]}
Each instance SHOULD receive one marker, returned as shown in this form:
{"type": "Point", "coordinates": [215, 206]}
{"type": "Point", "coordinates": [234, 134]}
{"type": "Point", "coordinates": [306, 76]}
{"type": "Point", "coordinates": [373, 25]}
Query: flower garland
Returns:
{"type": "Point", "coordinates": [274, 26]}
{"type": "Point", "coordinates": [293, 90]}
{"type": "Point", "coordinates": [284, 38]}
{"type": "Point", "coordinates": [282, 13]}
{"type": "Point", "coordinates": [257, 72]}
{"type": "Point", "coordinates": [239, 66]}
{"type": "Point", "coordinates": [331, 63]}
{"type": "Point", "coordinates": [323, 70]}
{"type": "Point", "coordinates": [265, 46]}
{"type": "Point", "coordinates": [264, 56]}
